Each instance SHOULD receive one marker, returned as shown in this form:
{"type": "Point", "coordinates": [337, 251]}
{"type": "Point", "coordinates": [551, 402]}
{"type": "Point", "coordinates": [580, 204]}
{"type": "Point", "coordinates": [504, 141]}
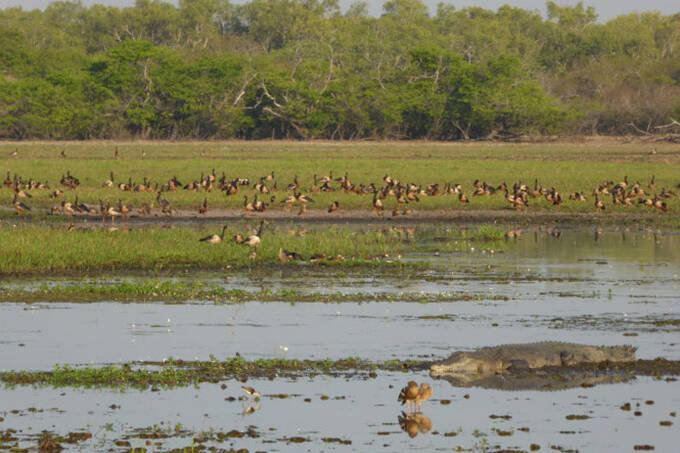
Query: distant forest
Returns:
{"type": "Point", "coordinates": [211, 69]}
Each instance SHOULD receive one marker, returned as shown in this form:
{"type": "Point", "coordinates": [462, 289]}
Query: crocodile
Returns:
{"type": "Point", "coordinates": [513, 357]}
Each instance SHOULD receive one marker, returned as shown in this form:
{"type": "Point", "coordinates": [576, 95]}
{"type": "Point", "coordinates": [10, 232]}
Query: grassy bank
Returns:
{"type": "Point", "coordinates": [176, 373]}
{"type": "Point", "coordinates": [171, 373]}
{"type": "Point", "coordinates": [567, 167]}
{"type": "Point", "coordinates": [42, 249]}
{"type": "Point", "coordinates": [172, 292]}
{"type": "Point", "coordinates": [32, 249]}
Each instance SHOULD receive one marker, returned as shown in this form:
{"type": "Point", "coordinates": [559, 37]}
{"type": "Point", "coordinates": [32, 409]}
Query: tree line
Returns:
{"type": "Point", "coordinates": [212, 69]}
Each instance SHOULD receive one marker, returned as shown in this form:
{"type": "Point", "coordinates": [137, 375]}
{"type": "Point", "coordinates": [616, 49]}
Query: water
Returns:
{"type": "Point", "coordinates": [364, 412]}
{"type": "Point", "coordinates": [584, 286]}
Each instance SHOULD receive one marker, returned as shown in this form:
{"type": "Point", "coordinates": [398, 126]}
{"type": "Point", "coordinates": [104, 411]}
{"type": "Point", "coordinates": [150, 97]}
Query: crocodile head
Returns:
{"type": "Point", "coordinates": [461, 363]}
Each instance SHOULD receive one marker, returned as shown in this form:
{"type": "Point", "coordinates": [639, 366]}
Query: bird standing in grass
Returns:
{"type": "Point", "coordinates": [20, 206]}
{"type": "Point", "coordinates": [214, 238]}
{"type": "Point", "coordinates": [334, 206]}
{"type": "Point", "coordinates": [203, 209]}
{"type": "Point", "coordinates": [254, 240]}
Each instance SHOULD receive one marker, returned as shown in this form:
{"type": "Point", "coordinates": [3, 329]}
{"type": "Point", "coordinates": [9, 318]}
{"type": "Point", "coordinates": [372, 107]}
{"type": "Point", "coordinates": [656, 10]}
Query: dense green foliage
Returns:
{"type": "Point", "coordinates": [302, 69]}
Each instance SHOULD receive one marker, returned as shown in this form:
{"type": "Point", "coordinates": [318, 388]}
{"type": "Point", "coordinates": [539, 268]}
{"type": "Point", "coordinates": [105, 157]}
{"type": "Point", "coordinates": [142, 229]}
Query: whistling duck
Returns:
{"type": "Point", "coordinates": [377, 204]}
{"type": "Point", "coordinates": [248, 206]}
{"type": "Point", "coordinates": [254, 240]}
{"type": "Point", "coordinates": [259, 205]}
{"type": "Point", "coordinates": [123, 209]}
{"type": "Point", "coordinates": [80, 207]}
{"type": "Point", "coordinates": [424, 394]}
{"type": "Point", "coordinates": [21, 194]}
{"type": "Point", "coordinates": [287, 255]}
{"type": "Point", "coordinates": [599, 205]}
{"type": "Point", "coordinates": [238, 238]}
{"type": "Point", "coordinates": [110, 211]}
{"type": "Point", "coordinates": [214, 238]}
{"type": "Point", "coordinates": [408, 394]}
{"type": "Point", "coordinates": [303, 198]}
{"type": "Point", "coordinates": [57, 193]}
{"type": "Point", "coordinates": [261, 187]}
{"type": "Point", "coordinates": [289, 201]}
{"type": "Point", "coordinates": [317, 257]}
{"type": "Point", "coordinates": [660, 205]}
{"type": "Point", "coordinates": [334, 206]}
{"type": "Point", "coordinates": [294, 185]}
{"type": "Point", "coordinates": [20, 206]}
{"type": "Point", "coordinates": [232, 188]}
{"type": "Point", "coordinates": [67, 208]}
{"type": "Point", "coordinates": [109, 182]}
{"type": "Point", "coordinates": [164, 204]}
{"type": "Point", "coordinates": [652, 184]}
{"type": "Point", "coordinates": [462, 198]}
{"type": "Point", "coordinates": [203, 209]}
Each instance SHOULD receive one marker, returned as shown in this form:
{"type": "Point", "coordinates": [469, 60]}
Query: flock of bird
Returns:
{"type": "Point", "coordinates": [265, 190]}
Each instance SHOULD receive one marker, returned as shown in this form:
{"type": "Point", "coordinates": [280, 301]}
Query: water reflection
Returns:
{"type": "Point", "coordinates": [537, 380]}
{"type": "Point", "coordinates": [414, 424]}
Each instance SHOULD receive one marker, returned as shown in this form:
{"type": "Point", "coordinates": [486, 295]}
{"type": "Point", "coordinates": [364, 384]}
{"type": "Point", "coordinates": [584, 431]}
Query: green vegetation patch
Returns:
{"type": "Point", "coordinates": [32, 249]}
{"type": "Point", "coordinates": [176, 373]}
{"type": "Point", "coordinates": [171, 292]}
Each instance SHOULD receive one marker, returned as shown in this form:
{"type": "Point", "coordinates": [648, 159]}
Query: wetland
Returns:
{"type": "Point", "coordinates": [133, 335]}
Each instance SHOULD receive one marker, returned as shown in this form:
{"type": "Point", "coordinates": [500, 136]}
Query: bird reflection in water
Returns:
{"type": "Point", "coordinates": [412, 424]}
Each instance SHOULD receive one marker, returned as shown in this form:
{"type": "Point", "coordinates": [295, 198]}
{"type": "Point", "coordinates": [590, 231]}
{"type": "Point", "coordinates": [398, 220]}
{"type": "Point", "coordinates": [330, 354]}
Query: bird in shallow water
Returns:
{"type": "Point", "coordinates": [250, 391]}
{"type": "Point", "coordinates": [408, 394]}
{"type": "Point", "coordinates": [424, 394]}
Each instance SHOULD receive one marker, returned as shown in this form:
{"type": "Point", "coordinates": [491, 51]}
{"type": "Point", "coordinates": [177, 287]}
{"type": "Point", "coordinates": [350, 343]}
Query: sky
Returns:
{"type": "Point", "coordinates": [606, 9]}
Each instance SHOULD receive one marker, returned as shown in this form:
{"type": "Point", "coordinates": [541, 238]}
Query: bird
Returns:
{"type": "Point", "coordinates": [203, 209]}
{"type": "Point", "coordinates": [303, 198]}
{"type": "Point", "coordinates": [287, 255]}
{"type": "Point", "coordinates": [254, 240]}
{"type": "Point", "coordinates": [214, 238]}
{"type": "Point", "coordinates": [250, 391]}
{"type": "Point", "coordinates": [424, 394]}
{"type": "Point", "coordinates": [20, 206]}
{"type": "Point", "coordinates": [334, 206]}
{"type": "Point", "coordinates": [123, 209]}
{"type": "Point", "coordinates": [408, 394]}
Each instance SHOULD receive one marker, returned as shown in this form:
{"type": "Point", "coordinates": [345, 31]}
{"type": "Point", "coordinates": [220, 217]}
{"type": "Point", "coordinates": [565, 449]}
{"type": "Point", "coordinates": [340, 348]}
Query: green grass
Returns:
{"type": "Point", "coordinates": [30, 249]}
{"type": "Point", "coordinates": [176, 373]}
{"type": "Point", "coordinates": [170, 292]}
{"type": "Point", "coordinates": [568, 167]}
